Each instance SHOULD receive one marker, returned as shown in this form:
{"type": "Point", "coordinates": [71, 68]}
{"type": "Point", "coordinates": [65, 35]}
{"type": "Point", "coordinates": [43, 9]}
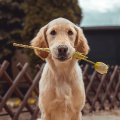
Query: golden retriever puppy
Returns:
{"type": "Point", "coordinates": [61, 87]}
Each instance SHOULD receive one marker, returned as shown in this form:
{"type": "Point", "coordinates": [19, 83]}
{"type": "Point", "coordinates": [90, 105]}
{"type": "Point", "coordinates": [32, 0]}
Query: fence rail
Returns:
{"type": "Point", "coordinates": [102, 91]}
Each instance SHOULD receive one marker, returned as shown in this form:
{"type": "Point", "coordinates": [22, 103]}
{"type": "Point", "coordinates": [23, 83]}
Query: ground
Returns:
{"type": "Point", "coordinates": [14, 103]}
{"type": "Point", "coordinates": [101, 115]}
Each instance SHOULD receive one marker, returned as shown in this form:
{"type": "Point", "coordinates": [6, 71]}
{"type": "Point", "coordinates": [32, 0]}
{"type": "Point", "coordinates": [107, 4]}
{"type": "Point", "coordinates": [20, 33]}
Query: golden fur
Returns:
{"type": "Point", "coordinates": [62, 94]}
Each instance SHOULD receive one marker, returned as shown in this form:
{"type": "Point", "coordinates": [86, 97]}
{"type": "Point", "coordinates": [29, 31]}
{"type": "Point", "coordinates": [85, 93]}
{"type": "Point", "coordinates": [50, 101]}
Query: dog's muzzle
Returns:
{"type": "Point", "coordinates": [62, 52]}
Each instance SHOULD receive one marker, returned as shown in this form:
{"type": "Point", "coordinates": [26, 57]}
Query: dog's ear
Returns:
{"type": "Point", "coordinates": [81, 44]}
{"type": "Point", "coordinates": [41, 42]}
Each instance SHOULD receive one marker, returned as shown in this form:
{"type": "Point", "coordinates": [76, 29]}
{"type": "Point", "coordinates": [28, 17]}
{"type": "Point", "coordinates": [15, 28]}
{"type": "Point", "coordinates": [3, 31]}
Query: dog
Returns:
{"type": "Point", "coordinates": [61, 87]}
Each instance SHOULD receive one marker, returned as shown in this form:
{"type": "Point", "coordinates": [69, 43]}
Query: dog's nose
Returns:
{"type": "Point", "coordinates": [62, 49]}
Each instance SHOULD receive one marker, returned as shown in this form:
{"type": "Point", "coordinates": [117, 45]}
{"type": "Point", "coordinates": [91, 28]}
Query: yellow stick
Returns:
{"type": "Point", "coordinates": [89, 61]}
{"type": "Point", "coordinates": [31, 47]}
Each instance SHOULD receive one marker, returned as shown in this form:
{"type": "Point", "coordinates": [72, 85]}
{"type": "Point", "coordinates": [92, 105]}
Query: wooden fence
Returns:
{"type": "Point", "coordinates": [102, 91]}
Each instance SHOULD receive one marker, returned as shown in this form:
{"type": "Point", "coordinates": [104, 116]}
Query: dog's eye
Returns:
{"type": "Point", "coordinates": [70, 32]}
{"type": "Point", "coordinates": [53, 32]}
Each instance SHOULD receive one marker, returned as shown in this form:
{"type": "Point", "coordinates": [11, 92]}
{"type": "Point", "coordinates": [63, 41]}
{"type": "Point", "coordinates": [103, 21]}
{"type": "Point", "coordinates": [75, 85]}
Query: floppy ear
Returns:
{"type": "Point", "coordinates": [81, 43]}
{"type": "Point", "coordinates": [41, 42]}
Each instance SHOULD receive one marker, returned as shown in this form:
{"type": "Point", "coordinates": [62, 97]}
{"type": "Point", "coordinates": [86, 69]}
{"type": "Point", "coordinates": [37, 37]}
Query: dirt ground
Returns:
{"type": "Point", "coordinates": [98, 115]}
{"type": "Point", "coordinates": [101, 115]}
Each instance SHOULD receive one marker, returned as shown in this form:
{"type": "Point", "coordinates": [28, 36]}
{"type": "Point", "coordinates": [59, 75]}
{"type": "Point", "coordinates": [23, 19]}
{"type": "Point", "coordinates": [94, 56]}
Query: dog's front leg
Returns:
{"type": "Point", "coordinates": [45, 116]}
{"type": "Point", "coordinates": [77, 116]}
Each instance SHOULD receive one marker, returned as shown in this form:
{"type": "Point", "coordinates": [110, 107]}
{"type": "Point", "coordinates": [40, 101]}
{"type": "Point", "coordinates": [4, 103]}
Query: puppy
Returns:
{"type": "Point", "coordinates": [61, 87]}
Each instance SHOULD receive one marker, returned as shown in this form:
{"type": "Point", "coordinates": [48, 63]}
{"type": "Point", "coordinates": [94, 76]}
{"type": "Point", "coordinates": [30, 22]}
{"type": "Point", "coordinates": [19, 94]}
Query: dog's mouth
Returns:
{"type": "Point", "coordinates": [62, 58]}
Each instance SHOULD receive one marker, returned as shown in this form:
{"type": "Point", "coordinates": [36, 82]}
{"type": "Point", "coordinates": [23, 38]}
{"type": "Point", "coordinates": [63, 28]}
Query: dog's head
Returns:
{"type": "Point", "coordinates": [63, 38]}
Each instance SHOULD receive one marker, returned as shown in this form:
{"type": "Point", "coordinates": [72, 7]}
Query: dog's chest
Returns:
{"type": "Point", "coordinates": [62, 92]}
{"type": "Point", "coordinates": [71, 89]}
{"type": "Point", "coordinates": [63, 88]}
{"type": "Point", "coordinates": [68, 96]}
{"type": "Point", "coordinates": [67, 84]}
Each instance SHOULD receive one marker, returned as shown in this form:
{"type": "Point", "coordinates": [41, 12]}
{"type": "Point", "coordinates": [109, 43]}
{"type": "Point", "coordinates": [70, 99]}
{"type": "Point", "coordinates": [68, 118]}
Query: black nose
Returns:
{"type": "Point", "coordinates": [62, 49]}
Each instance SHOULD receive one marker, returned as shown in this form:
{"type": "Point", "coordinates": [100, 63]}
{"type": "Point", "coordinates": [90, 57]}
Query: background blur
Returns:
{"type": "Point", "coordinates": [20, 21]}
